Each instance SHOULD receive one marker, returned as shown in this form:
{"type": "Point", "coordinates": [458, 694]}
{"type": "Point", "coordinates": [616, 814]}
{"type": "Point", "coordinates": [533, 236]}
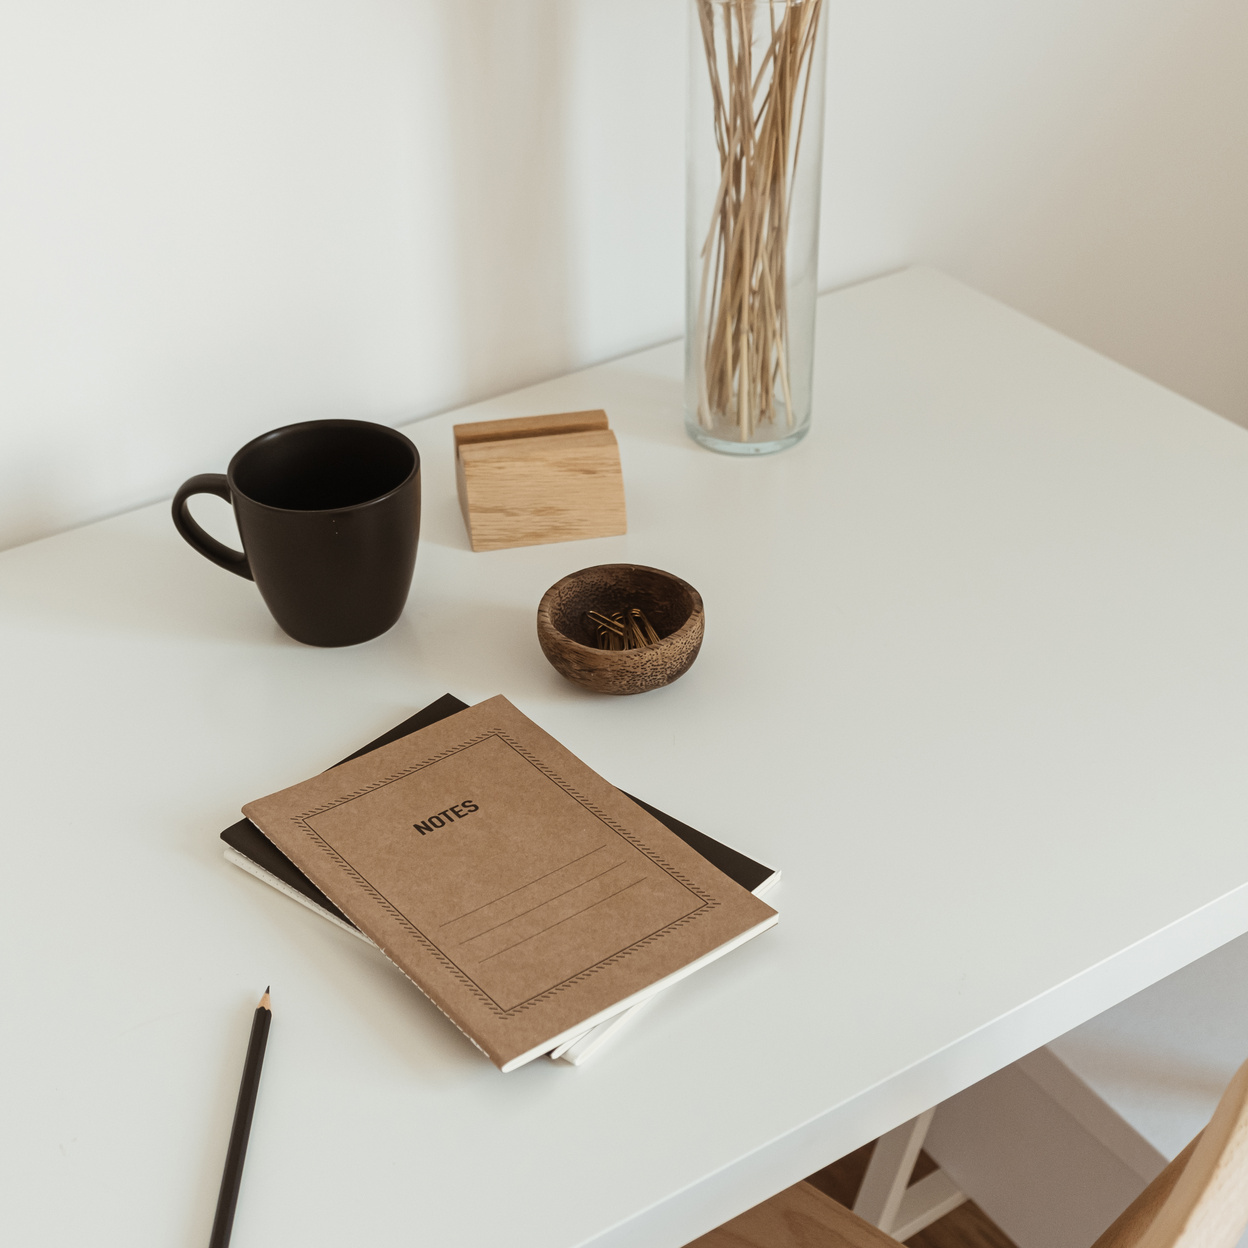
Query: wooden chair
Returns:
{"type": "Point", "coordinates": [1200, 1200]}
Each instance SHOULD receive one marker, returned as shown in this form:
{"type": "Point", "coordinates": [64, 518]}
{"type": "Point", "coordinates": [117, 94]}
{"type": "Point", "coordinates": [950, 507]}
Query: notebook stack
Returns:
{"type": "Point", "coordinates": [535, 904]}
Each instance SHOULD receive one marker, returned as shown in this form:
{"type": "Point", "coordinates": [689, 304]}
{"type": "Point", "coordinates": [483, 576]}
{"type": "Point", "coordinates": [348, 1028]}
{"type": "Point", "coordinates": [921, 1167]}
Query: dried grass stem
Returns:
{"type": "Point", "coordinates": [759, 110]}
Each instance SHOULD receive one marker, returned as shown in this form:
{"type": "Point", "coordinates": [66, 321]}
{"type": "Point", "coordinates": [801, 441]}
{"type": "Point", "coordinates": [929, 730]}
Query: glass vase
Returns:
{"type": "Point", "coordinates": [755, 148]}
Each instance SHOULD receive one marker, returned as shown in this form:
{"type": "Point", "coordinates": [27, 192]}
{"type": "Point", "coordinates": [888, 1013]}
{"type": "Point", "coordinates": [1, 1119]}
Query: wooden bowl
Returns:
{"type": "Point", "coordinates": [671, 605]}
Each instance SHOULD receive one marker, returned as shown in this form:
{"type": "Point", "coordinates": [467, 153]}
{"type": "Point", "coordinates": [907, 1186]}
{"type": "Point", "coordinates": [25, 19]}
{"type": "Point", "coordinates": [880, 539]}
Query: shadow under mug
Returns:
{"type": "Point", "coordinates": [329, 515]}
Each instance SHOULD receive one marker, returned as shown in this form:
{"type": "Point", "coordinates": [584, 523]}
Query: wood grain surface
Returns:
{"type": "Point", "coordinates": [528, 427]}
{"type": "Point", "coordinates": [799, 1217]}
{"type": "Point", "coordinates": [967, 1226]}
{"type": "Point", "coordinates": [671, 605]}
{"type": "Point", "coordinates": [1200, 1200]}
{"type": "Point", "coordinates": [1140, 1214]}
{"type": "Point", "coordinates": [538, 479]}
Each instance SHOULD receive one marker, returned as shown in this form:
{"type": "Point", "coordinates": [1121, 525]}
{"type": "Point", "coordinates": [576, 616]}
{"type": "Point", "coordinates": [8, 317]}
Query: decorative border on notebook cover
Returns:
{"type": "Point", "coordinates": [707, 902]}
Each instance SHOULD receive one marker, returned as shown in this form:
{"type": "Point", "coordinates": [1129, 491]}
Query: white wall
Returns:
{"type": "Point", "coordinates": [219, 217]}
{"type": "Point", "coordinates": [1084, 160]}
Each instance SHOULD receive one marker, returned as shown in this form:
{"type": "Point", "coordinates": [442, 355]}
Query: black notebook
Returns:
{"type": "Point", "coordinates": [250, 849]}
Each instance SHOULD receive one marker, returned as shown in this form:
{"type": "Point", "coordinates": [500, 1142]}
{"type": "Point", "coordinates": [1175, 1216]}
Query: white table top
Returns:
{"type": "Point", "coordinates": [975, 678]}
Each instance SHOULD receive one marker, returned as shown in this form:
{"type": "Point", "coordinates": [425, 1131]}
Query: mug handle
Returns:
{"type": "Point", "coordinates": [220, 554]}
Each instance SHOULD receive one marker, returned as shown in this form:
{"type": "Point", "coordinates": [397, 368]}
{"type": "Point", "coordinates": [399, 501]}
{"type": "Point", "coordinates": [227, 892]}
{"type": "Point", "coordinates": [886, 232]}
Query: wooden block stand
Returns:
{"type": "Point", "coordinates": [539, 479]}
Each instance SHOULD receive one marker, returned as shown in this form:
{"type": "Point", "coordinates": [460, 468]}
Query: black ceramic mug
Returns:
{"type": "Point", "coordinates": [329, 514]}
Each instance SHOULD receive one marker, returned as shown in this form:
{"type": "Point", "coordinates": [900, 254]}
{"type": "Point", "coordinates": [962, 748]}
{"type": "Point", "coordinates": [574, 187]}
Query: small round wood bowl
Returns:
{"type": "Point", "coordinates": [671, 605]}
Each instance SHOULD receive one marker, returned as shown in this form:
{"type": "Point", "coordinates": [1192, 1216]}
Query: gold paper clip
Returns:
{"type": "Point", "coordinates": [622, 630]}
{"type": "Point", "coordinates": [605, 621]}
{"type": "Point", "coordinates": [643, 626]}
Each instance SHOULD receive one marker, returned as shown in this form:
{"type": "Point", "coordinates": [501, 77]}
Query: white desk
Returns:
{"type": "Point", "coordinates": [975, 677]}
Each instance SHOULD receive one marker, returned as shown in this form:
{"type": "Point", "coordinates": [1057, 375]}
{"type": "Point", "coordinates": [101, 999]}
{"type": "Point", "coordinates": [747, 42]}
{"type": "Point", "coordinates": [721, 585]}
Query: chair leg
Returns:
{"type": "Point", "coordinates": [887, 1200]}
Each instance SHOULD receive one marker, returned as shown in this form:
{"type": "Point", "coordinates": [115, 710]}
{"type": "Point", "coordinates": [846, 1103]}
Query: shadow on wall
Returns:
{"type": "Point", "coordinates": [506, 71]}
{"type": "Point", "coordinates": [1132, 239]}
{"type": "Point", "coordinates": [35, 493]}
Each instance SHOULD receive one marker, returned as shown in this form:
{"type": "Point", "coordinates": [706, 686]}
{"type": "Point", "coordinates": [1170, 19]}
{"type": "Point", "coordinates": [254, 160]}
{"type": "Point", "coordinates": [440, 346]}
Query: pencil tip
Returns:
{"type": "Point", "coordinates": [264, 1001]}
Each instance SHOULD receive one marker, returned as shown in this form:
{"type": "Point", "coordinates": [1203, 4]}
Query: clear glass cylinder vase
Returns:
{"type": "Point", "coordinates": [755, 148]}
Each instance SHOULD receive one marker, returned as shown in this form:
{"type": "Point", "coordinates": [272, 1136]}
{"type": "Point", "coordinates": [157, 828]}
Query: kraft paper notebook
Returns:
{"type": "Point", "coordinates": [248, 848]}
{"type": "Point", "coordinates": [527, 897]}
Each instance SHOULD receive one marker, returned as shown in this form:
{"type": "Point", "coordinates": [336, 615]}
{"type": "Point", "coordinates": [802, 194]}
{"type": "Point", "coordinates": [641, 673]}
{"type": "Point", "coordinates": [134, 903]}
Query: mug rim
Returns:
{"type": "Point", "coordinates": [341, 422]}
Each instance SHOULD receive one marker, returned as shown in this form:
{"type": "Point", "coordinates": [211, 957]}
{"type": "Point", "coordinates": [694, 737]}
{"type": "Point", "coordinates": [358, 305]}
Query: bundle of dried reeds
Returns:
{"type": "Point", "coordinates": [758, 90]}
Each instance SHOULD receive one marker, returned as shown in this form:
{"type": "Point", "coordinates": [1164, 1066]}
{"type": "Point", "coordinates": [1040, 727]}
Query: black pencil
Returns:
{"type": "Point", "coordinates": [236, 1154]}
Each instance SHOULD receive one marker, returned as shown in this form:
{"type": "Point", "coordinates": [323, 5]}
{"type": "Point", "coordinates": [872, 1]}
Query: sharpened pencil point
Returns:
{"type": "Point", "coordinates": [236, 1152]}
